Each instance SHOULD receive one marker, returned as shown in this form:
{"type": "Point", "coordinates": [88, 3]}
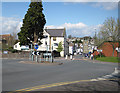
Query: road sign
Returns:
{"type": "Point", "coordinates": [47, 54]}
{"type": "Point", "coordinates": [35, 53]}
{"type": "Point", "coordinates": [36, 46]}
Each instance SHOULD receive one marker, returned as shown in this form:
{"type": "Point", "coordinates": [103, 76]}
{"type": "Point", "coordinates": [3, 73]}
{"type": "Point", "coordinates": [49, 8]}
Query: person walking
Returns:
{"type": "Point", "coordinates": [92, 56]}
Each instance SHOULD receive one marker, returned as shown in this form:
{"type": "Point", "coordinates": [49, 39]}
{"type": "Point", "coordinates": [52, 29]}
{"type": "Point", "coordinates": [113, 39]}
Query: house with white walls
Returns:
{"type": "Point", "coordinates": [18, 47]}
{"type": "Point", "coordinates": [71, 48]}
{"type": "Point", "coordinates": [53, 38]}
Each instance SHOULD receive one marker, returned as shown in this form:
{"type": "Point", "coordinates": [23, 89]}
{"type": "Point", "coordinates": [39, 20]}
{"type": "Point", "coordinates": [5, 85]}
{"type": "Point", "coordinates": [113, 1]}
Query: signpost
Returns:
{"type": "Point", "coordinates": [36, 46]}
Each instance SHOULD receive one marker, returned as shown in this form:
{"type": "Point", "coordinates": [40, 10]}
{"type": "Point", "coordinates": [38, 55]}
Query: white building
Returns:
{"type": "Point", "coordinates": [53, 38]}
{"type": "Point", "coordinates": [71, 47]}
{"type": "Point", "coordinates": [18, 47]}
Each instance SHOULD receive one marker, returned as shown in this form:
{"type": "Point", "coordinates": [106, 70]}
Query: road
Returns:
{"type": "Point", "coordinates": [18, 75]}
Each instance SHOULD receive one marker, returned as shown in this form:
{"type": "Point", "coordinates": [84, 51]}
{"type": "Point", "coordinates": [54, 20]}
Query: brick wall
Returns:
{"type": "Point", "coordinates": [108, 49]}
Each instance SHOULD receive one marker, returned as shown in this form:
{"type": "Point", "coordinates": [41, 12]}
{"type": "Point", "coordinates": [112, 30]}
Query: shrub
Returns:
{"type": "Point", "coordinates": [12, 50]}
{"type": "Point", "coordinates": [96, 56]}
{"type": "Point", "coordinates": [99, 55]}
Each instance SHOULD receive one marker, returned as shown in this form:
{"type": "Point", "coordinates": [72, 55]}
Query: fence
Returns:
{"type": "Point", "coordinates": [43, 57]}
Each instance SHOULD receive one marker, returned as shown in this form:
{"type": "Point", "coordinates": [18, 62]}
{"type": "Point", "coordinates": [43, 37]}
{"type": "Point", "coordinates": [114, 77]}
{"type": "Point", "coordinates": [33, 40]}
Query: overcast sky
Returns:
{"type": "Point", "coordinates": [79, 18]}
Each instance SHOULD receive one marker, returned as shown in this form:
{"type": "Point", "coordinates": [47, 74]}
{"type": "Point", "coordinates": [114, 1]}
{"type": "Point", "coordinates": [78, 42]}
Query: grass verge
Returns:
{"type": "Point", "coordinates": [109, 59]}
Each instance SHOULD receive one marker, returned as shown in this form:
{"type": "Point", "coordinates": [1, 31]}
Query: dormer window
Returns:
{"type": "Point", "coordinates": [45, 36]}
{"type": "Point", "coordinates": [45, 42]}
{"type": "Point", "coordinates": [55, 44]}
{"type": "Point", "coordinates": [54, 38]}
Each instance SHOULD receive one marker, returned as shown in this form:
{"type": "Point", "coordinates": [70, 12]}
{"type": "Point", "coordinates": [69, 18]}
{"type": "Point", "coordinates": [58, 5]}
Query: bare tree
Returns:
{"type": "Point", "coordinates": [109, 29]}
{"type": "Point", "coordinates": [12, 39]}
{"type": "Point", "coordinates": [109, 32]}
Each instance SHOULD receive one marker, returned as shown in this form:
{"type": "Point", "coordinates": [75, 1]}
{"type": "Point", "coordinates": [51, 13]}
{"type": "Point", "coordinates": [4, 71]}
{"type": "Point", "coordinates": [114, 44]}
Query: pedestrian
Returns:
{"type": "Point", "coordinates": [92, 56]}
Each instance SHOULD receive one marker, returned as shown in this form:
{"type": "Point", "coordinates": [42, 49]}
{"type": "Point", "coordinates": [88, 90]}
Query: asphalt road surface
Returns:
{"type": "Point", "coordinates": [18, 75]}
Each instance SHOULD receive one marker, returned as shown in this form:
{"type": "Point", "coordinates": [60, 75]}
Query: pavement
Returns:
{"type": "Point", "coordinates": [73, 75]}
{"type": "Point", "coordinates": [87, 86]}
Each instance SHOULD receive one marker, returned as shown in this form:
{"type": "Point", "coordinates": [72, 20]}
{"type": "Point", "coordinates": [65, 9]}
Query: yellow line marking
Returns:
{"type": "Point", "coordinates": [57, 84]}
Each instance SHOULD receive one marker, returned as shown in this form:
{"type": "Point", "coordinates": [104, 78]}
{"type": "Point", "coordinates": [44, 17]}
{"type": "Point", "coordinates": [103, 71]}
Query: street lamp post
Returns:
{"type": "Point", "coordinates": [47, 53]}
{"type": "Point", "coordinates": [52, 54]}
{"type": "Point", "coordinates": [31, 53]}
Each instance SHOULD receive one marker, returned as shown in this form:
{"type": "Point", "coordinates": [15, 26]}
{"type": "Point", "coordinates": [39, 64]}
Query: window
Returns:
{"type": "Point", "coordinates": [45, 42]}
{"type": "Point", "coordinates": [15, 46]}
{"type": "Point", "coordinates": [55, 44]}
{"type": "Point", "coordinates": [45, 36]}
{"type": "Point", "coordinates": [54, 38]}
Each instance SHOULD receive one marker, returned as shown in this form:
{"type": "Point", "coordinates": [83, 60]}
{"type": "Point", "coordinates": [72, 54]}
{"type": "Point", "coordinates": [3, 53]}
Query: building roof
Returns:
{"type": "Point", "coordinates": [5, 36]}
{"type": "Point", "coordinates": [56, 32]}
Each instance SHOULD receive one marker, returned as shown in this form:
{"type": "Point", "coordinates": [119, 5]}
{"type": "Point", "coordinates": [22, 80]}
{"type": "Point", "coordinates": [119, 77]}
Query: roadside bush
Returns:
{"type": "Point", "coordinates": [96, 56]}
{"type": "Point", "coordinates": [102, 55]}
{"type": "Point", "coordinates": [99, 55]}
{"type": "Point", "coordinates": [56, 53]}
{"type": "Point", "coordinates": [12, 50]}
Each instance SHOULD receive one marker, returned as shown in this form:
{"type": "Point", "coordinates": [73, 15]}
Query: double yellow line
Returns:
{"type": "Point", "coordinates": [54, 85]}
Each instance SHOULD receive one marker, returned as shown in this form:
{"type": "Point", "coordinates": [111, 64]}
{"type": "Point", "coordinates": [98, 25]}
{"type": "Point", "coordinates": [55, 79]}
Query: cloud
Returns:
{"type": "Point", "coordinates": [106, 5]}
{"type": "Point", "coordinates": [77, 26]}
{"type": "Point", "coordinates": [9, 25]}
{"type": "Point", "coordinates": [102, 5]}
{"type": "Point", "coordinates": [78, 29]}
{"type": "Point", "coordinates": [82, 0]}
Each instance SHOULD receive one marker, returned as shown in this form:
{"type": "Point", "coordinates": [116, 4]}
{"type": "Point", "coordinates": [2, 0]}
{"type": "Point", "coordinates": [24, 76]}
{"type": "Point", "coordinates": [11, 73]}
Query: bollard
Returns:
{"type": "Point", "coordinates": [29, 57]}
{"type": "Point", "coordinates": [71, 57]}
{"type": "Point", "coordinates": [116, 70]}
{"type": "Point", "coordinates": [47, 58]}
{"type": "Point", "coordinates": [36, 58]}
{"type": "Point", "coordinates": [32, 58]}
{"type": "Point", "coordinates": [66, 57]}
{"type": "Point", "coordinates": [44, 59]}
{"type": "Point", "coordinates": [51, 58]}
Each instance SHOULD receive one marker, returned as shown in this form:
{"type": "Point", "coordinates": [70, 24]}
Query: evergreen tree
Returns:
{"type": "Point", "coordinates": [60, 48]}
{"type": "Point", "coordinates": [33, 24]}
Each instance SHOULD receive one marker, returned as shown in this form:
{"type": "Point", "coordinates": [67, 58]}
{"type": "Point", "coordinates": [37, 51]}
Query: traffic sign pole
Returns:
{"type": "Point", "coordinates": [36, 58]}
{"type": "Point", "coordinates": [32, 57]}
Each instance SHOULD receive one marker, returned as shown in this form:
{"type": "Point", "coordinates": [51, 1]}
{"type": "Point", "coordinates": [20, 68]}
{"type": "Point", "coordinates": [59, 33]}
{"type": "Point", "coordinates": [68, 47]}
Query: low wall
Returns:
{"type": "Point", "coordinates": [16, 55]}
